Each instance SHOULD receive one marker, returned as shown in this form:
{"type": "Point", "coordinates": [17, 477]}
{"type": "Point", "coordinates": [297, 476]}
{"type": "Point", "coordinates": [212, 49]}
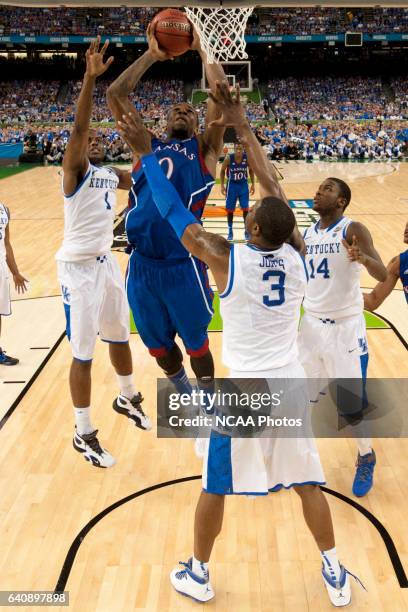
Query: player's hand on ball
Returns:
{"type": "Point", "coordinates": [95, 65]}
{"type": "Point", "coordinates": [155, 51]}
{"type": "Point", "coordinates": [133, 131]}
{"type": "Point", "coordinates": [353, 251]}
{"type": "Point", "coordinates": [20, 283]}
{"type": "Point", "coordinates": [196, 44]}
{"type": "Point", "coordinates": [233, 113]}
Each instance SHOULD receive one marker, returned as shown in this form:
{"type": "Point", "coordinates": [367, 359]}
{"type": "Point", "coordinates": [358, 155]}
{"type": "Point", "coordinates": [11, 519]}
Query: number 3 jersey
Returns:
{"type": "Point", "coordinates": [183, 164]}
{"type": "Point", "coordinates": [333, 290]}
{"type": "Point", "coordinates": [89, 213]}
{"type": "Point", "coordinates": [260, 307]}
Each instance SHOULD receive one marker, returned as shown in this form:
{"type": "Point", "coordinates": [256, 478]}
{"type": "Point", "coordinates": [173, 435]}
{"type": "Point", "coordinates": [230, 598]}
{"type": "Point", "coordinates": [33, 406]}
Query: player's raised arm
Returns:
{"type": "Point", "coordinates": [76, 161]}
{"type": "Point", "coordinates": [118, 92]}
{"type": "Point", "coordinates": [381, 291]}
{"type": "Point", "coordinates": [360, 247]}
{"type": "Point", "coordinates": [213, 135]}
{"type": "Point", "coordinates": [210, 248]}
{"type": "Point", "coordinates": [233, 114]}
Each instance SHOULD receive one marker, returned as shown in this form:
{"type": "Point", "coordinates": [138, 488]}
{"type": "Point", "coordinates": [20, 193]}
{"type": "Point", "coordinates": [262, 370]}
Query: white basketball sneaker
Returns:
{"type": "Point", "coordinates": [339, 590]}
{"type": "Point", "coordinates": [187, 583]}
{"type": "Point", "coordinates": [88, 445]}
{"type": "Point", "coordinates": [133, 410]}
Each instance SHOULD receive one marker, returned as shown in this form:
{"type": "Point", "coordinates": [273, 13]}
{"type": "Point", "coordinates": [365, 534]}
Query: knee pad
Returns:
{"type": "Point", "coordinates": [172, 362]}
{"type": "Point", "coordinates": [203, 367]}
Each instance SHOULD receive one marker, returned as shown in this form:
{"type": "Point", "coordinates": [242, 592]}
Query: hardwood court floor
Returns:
{"type": "Point", "coordinates": [265, 559]}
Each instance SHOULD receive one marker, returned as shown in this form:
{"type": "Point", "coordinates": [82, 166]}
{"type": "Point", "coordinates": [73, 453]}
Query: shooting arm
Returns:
{"type": "Point", "coordinates": [382, 290]}
{"type": "Point", "coordinates": [118, 92]}
{"type": "Point", "coordinates": [213, 136]}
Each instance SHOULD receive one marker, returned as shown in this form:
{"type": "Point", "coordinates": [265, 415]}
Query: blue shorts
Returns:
{"type": "Point", "coordinates": [169, 297]}
{"type": "Point", "coordinates": [237, 192]}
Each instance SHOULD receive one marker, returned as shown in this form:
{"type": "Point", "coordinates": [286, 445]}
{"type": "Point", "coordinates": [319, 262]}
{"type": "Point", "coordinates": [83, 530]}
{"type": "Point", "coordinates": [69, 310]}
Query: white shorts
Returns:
{"type": "Point", "coordinates": [333, 349]}
{"type": "Point", "coordinates": [5, 302]}
{"type": "Point", "coordinates": [95, 303]}
{"type": "Point", "coordinates": [256, 466]}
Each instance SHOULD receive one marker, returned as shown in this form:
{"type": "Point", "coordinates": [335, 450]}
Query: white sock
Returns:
{"type": "Point", "coordinates": [200, 568]}
{"type": "Point", "coordinates": [126, 385]}
{"type": "Point", "coordinates": [83, 420]}
{"type": "Point", "coordinates": [331, 563]}
{"type": "Point", "coordinates": [364, 446]}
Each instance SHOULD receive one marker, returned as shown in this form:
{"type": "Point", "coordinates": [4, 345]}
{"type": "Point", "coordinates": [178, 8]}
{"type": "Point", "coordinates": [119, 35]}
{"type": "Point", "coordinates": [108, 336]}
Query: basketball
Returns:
{"type": "Point", "coordinates": [173, 31]}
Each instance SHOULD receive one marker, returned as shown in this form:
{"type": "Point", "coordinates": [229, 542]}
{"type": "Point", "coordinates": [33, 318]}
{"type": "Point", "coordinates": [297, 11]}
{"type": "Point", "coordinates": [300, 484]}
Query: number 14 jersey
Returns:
{"type": "Point", "coordinates": [260, 307]}
{"type": "Point", "coordinates": [333, 291]}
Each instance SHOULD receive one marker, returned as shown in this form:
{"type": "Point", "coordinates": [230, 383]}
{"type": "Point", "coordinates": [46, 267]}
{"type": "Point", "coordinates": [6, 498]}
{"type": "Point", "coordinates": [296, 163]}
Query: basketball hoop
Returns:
{"type": "Point", "coordinates": [215, 26]}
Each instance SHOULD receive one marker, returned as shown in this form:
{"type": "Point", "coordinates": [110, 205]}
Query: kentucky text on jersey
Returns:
{"type": "Point", "coordinates": [103, 183]}
{"type": "Point", "coordinates": [319, 249]}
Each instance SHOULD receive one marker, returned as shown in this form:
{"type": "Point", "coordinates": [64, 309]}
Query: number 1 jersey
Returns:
{"type": "Point", "coordinates": [260, 307]}
{"type": "Point", "coordinates": [183, 164]}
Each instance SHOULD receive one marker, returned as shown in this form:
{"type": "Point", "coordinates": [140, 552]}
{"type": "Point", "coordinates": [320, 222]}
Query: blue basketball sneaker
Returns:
{"type": "Point", "coordinates": [189, 584]}
{"type": "Point", "coordinates": [230, 234]}
{"type": "Point", "coordinates": [363, 480]}
{"type": "Point", "coordinates": [7, 360]}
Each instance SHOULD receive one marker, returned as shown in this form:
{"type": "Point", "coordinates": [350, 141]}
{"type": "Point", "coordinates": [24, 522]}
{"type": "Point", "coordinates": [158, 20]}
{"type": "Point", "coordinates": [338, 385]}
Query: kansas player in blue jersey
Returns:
{"type": "Point", "coordinates": [397, 269]}
{"type": "Point", "coordinates": [236, 167]}
{"type": "Point", "coordinates": [168, 290]}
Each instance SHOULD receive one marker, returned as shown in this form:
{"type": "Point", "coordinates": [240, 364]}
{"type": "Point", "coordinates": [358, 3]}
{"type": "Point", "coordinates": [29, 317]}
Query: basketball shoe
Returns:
{"type": "Point", "coordinates": [230, 234]}
{"type": "Point", "coordinates": [339, 591]}
{"type": "Point", "coordinates": [88, 445]}
{"type": "Point", "coordinates": [364, 478]}
{"type": "Point", "coordinates": [132, 409]}
{"type": "Point", "coordinates": [189, 584]}
{"type": "Point", "coordinates": [7, 360]}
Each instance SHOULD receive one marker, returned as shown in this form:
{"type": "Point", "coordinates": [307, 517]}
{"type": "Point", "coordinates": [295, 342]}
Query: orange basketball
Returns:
{"type": "Point", "coordinates": [173, 31]}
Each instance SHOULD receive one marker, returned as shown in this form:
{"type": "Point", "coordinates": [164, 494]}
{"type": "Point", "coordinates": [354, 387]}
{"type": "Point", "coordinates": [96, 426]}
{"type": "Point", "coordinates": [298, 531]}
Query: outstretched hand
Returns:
{"type": "Point", "coordinates": [157, 53]}
{"type": "Point", "coordinates": [134, 133]}
{"type": "Point", "coordinates": [233, 113]}
{"type": "Point", "coordinates": [95, 65]}
{"type": "Point", "coordinates": [20, 283]}
{"type": "Point", "coordinates": [354, 251]}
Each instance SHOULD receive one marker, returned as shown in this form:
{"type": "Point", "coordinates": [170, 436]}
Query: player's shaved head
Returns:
{"type": "Point", "coordinates": [275, 220]}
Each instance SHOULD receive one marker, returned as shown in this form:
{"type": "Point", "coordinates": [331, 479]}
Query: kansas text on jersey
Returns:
{"type": "Point", "coordinates": [184, 166]}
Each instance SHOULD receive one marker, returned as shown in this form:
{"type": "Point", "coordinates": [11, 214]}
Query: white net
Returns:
{"type": "Point", "coordinates": [221, 31]}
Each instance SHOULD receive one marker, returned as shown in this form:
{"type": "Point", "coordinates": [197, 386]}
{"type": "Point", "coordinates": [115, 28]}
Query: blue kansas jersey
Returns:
{"type": "Point", "coordinates": [404, 272]}
{"type": "Point", "coordinates": [237, 173]}
{"type": "Point", "coordinates": [183, 164]}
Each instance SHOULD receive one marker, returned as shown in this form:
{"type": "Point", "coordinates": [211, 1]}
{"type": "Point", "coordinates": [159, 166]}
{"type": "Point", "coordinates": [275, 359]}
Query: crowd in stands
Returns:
{"type": "Point", "coordinates": [335, 140]}
{"type": "Point", "coordinates": [314, 98]}
{"type": "Point", "coordinates": [312, 118]}
{"type": "Point", "coordinates": [133, 21]}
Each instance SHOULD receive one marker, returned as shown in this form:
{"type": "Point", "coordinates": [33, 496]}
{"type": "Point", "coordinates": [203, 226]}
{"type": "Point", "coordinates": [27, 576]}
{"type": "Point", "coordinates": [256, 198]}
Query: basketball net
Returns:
{"type": "Point", "coordinates": [221, 31]}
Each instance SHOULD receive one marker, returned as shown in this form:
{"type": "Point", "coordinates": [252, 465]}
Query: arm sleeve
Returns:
{"type": "Point", "coordinates": [165, 196]}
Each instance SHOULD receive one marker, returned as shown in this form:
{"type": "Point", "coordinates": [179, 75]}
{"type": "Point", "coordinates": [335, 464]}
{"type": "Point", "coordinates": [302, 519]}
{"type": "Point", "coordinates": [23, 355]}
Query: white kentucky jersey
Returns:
{"type": "Point", "coordinates": [4, 219]}
{"type": "Point", "coordinates": [333, 290]}
{"type": "Point", "coordinates": [260, 307]}
{"type": "Point", "coordinates": [89, 213]}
